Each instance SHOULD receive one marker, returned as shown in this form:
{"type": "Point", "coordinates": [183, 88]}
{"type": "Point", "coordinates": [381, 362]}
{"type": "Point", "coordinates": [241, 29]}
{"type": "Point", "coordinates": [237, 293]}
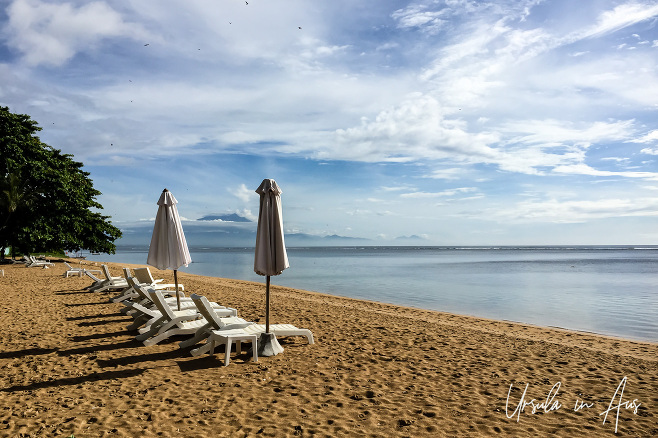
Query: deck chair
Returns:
{"type": "Point", "coordinates": [77, 271]}
{"type": "Point", "coordinates": [97, 282]}
{"type": "Point", "coordinates": [217, 327]}
{"type": "Point", "coordinates": [145, 300]}
{"type": "Point", "coordinates": [143, 276]}
{"type": "Point", "coordinates": [145, 313]}
{"type": "Point", "coordinates": [214, 323]}
{"type": "Point", "coordinates": [172, 322]}
{"type": "Point", "coordinates": [129, 292]}
{"type": "Point", "coordinates": [112, 283]}
{"type": "Point", "coordinates": [33, 262]}
{"type": "Point", "coordinates": [102, 285]}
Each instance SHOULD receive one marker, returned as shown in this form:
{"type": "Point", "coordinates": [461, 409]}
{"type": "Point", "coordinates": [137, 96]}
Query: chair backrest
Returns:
{"type": "Point", "coordinates": [106, 271]}
{"type": "Point", "coordinates": [205, 309]}
{"type": "Point", "coordinates": [159, 301]}
{"type": "Point", "coordinates": [68, 266]}
{"type": "Point", "coordinates": [132, 282]}
{"type": "Point", "coordinates": [126, 273]}
{"type": "Point", "coordinates": [92, 276]}
{"type": "Point", "coordinates": [143, 275]}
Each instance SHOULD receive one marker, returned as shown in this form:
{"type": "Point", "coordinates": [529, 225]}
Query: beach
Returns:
{"type": "Point", "coordinates": [70, 367]}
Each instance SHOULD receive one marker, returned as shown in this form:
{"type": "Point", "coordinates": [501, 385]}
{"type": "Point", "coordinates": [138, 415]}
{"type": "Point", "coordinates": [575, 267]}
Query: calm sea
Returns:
{"type": "Point", "coordinates": [606, 290]}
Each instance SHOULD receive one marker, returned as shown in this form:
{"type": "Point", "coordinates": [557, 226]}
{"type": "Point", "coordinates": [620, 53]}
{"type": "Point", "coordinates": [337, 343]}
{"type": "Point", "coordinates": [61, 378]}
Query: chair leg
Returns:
{"type": "Point", "coordinates": [209, 346]}
{"type": "Point", "coordinates": [199, 336]}
{"type": "Point", "coordinates": [227, 356]}
{"type": "Point", "coordinates": [254, 349]}
{"type": "Point", "coordinates": [161, 337]}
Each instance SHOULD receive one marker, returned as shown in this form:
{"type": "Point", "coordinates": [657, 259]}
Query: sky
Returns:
{"type": "Point", "coordinates": [451, 122]}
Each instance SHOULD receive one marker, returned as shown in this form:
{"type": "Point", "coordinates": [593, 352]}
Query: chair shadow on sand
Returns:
{"type": "Point", "coordinates": [72, 292]}
{"type": "Point", "coordinates": [68, 381]}
{"type": "Point", "coordinates": [104, 347]}
{"type": "Point", "coordinates": [139, 358]}
{"type": "Point", "coordinates": [103, 322]}
{"type": "Point", "coordinates": [78, 318]}
{"type": "Point", "coordinates": [84, 338]}
{"type": "Point", "coordinates": [27, 352]}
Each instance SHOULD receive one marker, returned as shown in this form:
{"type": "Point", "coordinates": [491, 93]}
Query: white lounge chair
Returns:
{"type": "Point", "coordinates": [213, 333]}
{"type": "Point", "coordinates": [145, 313]}
{"type": "Point", "coordinates": [144, 276]}
{"type": "Point", "coordinates": [172, 322]}
{"type": "Point", "coordinates": [33, 262]}
{"type": "Point", "coordinates": [109, 283]}
{"type": "Point", "coordinates": [118, 282]}
{"type": "Point", "coordinates": [77, 271]}
{"type": "Point", "coordinates": [214, 323]}
{"type": "Point", "coordinates": [129, 292]}
{"type": "Point", "coordinates": [145, 300]}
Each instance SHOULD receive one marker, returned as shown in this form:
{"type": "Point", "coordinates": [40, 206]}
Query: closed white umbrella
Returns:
{"type": "Point", "coordinates": [270, 257]}
{"type": "Point", "coordinates": [168, 249]}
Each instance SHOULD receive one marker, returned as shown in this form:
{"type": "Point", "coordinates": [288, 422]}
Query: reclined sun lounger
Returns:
{"type": "Point", "coordinates": [213, 323]}
{"type": "Point", "coordinates": [172, 322]}
{"type": "Point", "coordinates": [145, 312]}
{"type": "Point", "coordinates": [144, 276]}
{"type": "Point", "coordinates": [32, 262]}
{"type": "Point", "coordinates": [145, 300]}
{"type": "Point", "coordinates": [109, 283]}
{"type": "Point", "coordinates": [77, 271]}
{"type": "Point", "coordinates": [214, 332]}
{"type": "Point", "coordinates": [115, 282]}
{"type": "Point", "coordinates": [127, 293]}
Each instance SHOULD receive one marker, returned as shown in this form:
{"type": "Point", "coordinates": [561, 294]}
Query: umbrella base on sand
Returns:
{"type": "Point", "coordinates": [268, 345]}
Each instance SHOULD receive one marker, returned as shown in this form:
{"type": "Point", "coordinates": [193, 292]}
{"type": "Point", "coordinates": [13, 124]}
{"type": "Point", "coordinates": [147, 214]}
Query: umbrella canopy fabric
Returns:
{"type": "Point", "coordinates": [168, 249]}
{"type": "Point", "coordinates": [271, 257]}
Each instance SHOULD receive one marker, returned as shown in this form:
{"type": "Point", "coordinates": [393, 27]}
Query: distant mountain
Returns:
{"type": "Point", "coordinates": [225, 232]}
{"type": "Point", "coordinates": [233, 217]}
{"type": "Point", "coordinates": [412, 237]}
{"type": "Point", "coordinates": [337, 237]}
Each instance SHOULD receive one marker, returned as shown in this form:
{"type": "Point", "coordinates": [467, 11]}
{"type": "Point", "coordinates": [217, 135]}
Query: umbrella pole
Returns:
{"type": "Point", "coordinates": [176, 283]}
{"type": "Point", "coordinates": [267, 305]}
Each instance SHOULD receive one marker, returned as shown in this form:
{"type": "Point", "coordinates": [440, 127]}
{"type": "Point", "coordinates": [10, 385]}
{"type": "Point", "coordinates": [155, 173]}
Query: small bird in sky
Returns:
{"type": "Point", "coordinates": [146, 44]}
{"type": "Point", "coordinates": [299, 27]}
{"type": "Point", "coordinates": [246, 3]}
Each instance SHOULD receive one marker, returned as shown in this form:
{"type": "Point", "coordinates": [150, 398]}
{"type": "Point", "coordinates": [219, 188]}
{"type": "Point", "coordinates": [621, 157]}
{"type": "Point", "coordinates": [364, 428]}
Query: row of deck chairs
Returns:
{"type": "Point", "coordinates": [153, 307]}
{"type": "Point", "coordinates": [33, 262]}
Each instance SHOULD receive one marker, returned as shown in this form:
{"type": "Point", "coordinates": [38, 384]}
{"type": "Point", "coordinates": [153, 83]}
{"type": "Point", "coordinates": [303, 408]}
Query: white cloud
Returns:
{"type": "Point", "coordinates": [448, 174]}
{"type": "Point", "coordinates": [243, 193]}
{"type": "Point", "coordinates": [574, 211]}
{"type": "Point", "coordinates": [49, 33]}
{"type": "Point", "coordinates": [583, 169]}
{"type": "Point", "coordinates": [417, 129]}
{"type": "Point", "coordinates": [649, 138]}
{"type": "Point", "coordinates": [620, 17]}
{"type": "Point", "coordinates": [444, 193]}
{"type": "Point", "coordinates": [650, 151]}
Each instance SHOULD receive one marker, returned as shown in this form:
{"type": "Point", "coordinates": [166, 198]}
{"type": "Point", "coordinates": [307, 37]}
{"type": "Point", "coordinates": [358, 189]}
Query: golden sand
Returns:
{"type": "Point", "coordinates": [70, 367]}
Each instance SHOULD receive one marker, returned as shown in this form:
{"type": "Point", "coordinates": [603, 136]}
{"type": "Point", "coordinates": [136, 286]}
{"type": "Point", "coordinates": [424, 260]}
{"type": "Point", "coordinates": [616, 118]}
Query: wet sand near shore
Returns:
{"type": "Point", "coordinates": [68, 366]}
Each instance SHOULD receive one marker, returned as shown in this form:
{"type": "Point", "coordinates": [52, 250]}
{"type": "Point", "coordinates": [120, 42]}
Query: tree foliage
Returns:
{"type": "Point", "coordinates": [47, 202]}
